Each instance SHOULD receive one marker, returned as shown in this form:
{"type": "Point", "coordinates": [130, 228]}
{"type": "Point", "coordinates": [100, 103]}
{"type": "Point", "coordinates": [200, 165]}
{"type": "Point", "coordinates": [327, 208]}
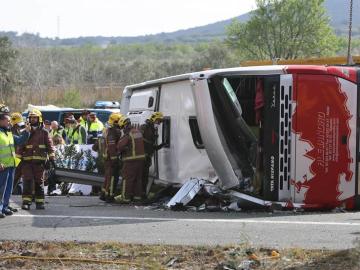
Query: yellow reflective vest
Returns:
{"type": "Point", "coordinates": [95, 126]}
{"type": "Point", "coordinates": [7, 149]}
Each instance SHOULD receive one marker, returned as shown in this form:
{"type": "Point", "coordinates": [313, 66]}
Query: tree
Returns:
{"type": "Point", "coordinates": [7, 59]}
{"type": "Point", "coordinates": [286, 29]}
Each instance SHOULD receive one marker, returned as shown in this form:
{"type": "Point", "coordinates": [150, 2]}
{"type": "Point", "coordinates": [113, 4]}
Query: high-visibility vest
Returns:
{"type": "Point", "coordinates": [83, 123]}
{"type": "Point", "coordinates": [95, 126]}
{"type": "Point", "coordinates": [68, 131]}
{"type": "Point", "coordinates": [75, 137]}
{"type": "Point", "coordinates": [54, 132]}
{"type": "Point", "coordinates": [7, 149]}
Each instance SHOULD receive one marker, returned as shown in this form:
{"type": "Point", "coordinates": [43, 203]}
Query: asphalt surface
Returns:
{"type": "Point", "coordinates": [87, 219]}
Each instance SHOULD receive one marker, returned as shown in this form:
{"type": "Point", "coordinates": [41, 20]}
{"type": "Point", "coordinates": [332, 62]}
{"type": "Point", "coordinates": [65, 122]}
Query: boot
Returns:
{"type": "Point", "coordinates": [7, 212]}
{"type": "Point", "coordinates": [25, 206]}
{"type": "Point", "coordinates": [122, 200]}
{"type": "Point", "coordinates": [102, 196]}
{"type": "Point", "coordinates": [40, 206]}
{"type": "Point", "coordinates": [12, 209]}
{"type": "Point", "coordinates": [109, 199]}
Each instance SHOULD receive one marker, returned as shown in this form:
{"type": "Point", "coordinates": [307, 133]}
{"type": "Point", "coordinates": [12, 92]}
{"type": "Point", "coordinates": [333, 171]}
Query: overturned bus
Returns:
{"type": "Point", "coordinates": [284, 134]}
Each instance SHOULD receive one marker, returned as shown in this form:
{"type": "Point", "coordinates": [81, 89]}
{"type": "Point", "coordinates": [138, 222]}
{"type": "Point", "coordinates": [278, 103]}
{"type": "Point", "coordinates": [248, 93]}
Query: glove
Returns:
{"type": "Point", "coordinates": [158, 147]}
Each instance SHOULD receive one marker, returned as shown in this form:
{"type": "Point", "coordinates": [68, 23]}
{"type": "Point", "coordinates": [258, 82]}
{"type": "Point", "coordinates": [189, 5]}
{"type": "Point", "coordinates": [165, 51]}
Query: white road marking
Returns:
{"type": "Point", "coordinates": [259, 221]}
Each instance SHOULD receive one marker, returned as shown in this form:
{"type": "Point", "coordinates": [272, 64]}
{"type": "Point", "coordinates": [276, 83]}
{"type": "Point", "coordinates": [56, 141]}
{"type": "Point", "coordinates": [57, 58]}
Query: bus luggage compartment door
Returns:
{"type": "Point", "coordinates": [325, 126]}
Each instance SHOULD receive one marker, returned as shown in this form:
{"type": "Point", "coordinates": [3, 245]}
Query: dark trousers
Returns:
{"type": "Point", "coordinates": [33, 173]}
{"type": "Point", "coordinates": [147, 165]}
{"type": "Point", "coordinates": [132, 174]}
{"type": "Point", "coordinates": [17, 174]}
{"type": "Point", "coordinates": [111, 168]}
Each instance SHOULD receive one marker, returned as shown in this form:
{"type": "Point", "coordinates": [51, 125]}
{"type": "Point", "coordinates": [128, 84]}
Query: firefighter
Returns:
{"type": "Point", "coordinates": [34, 155]}
{"type": "Point", "coordinates": [17, 127]}
{"type": "Point", "coordinates": [7, 159]}
{"type": "Point", "coordinates": [131, 147]}
{"type": "Point", "coordinates": [150, 134]}
{"type": "Point", "coordinates": [111, 136]}
{"type": "Point", "coordinates": [17, 123]}
{"type": "Point", "coordinates": [77, 135]}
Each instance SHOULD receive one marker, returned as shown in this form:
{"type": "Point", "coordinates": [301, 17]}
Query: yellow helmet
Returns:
{"type": "Point", "coordinates": [156, 116]}
{"type": "Point", "coordinates": [36, 113]}
{"type": "Point", "coordinates": [114, 118]}
{"type": "Point", "coordinates": [16, 118]}
{"type": "Point", "coordinates": [124, 121]}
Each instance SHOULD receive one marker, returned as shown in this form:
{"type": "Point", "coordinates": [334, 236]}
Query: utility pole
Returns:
{"type": "Point", "coordinates": [58, 27]}
{"type": "Point", "coordinates": [349, 58]}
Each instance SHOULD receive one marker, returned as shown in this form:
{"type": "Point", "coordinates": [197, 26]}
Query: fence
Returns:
{"type": "Point", "coordinates": [77, 97]}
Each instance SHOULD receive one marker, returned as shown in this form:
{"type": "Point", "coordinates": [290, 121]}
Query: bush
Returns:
{"type": "Point", "coordinates": [72, 99]}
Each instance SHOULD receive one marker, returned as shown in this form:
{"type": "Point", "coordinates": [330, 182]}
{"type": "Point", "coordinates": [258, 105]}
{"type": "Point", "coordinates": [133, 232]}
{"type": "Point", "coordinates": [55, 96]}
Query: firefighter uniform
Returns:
{"type": "Point", "coordinates": [111, 136]}
{"type": "Point", "coordinates": [34, 155]}
{"type": "Point", "coordinates": [150, 134]}
{"type": "Point", "coordinates": [131, 146]}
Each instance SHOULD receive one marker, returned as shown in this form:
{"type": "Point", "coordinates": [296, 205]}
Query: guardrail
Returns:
{"type": "Point", "coordinates": [78, 176]}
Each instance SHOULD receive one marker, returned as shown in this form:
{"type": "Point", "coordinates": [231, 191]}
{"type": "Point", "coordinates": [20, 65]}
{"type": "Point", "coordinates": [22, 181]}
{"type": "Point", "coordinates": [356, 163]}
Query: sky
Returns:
{"type": "Point", "coordinates": [74, 18]}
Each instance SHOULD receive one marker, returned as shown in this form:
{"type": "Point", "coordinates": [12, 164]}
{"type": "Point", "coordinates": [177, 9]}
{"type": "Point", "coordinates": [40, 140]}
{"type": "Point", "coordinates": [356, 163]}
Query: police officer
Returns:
{"type": "Point", "coordinates": [34, 155]}
{"type": "Point", "coordinates": [112, 135]}
{"type": "Point", "coordinates": [150, 134]}
{"type": "Point", "coordinates": [131, 147]}
{"type": "Point", "coordinates": [7, 159]}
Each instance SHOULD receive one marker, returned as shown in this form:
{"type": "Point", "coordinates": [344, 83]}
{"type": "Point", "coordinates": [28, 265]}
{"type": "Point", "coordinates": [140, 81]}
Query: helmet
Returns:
{"type": "Point", "coordinates": [16, 118]}
{"type": "Point", "coordinates": [4, 109]}
{"type": "Point", "coordinates": [114, 118]}
{"type": "Point", "coordinates": [124, 121]}
{"type": "Point", "coordinates": [36, 113]}
{"type": "Point", "coordinates": [156, 116]}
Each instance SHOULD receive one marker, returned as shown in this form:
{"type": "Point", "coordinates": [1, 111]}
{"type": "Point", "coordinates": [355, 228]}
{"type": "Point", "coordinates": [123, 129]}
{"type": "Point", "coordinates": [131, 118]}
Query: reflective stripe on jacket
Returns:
{"type": "Point", "coordinates": [76, 137]}
{"type": "Point", "coordinates": [112, 136]}
{"type": "Point", "coordinates": [7, 149]}
{"type": "Point", "coordinates": [131, 146]}
{"type": "Point", "coordinates": [38, 147]}
{"type": "Point", "coordinates": [54, 132]}
{"type": "Point", "coordinates": [95, 126]}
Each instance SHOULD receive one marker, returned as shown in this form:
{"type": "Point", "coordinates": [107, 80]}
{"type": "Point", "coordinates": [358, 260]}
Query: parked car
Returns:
{"type": "Point", "coordinates": [100, 104]}
{"type": "Point", "coordinates": [53, 113]}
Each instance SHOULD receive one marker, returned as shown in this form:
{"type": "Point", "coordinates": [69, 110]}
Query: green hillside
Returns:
{"type": "Point", "coordinates": [338, 11]}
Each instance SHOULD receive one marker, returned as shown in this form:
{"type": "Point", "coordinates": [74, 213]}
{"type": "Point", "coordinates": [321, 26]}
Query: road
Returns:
{"type": "Point", "coordinates": [88, 219]}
